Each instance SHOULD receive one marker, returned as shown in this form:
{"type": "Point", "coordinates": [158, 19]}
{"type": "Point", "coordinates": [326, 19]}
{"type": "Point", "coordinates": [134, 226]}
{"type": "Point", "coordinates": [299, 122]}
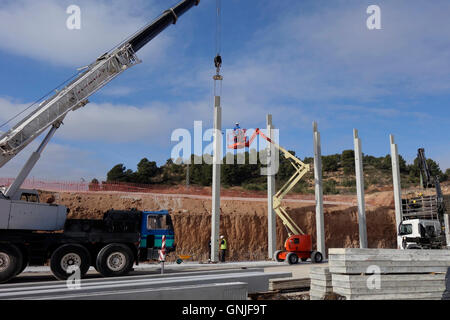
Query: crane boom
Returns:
{"type": "Point", "coordinates": [75, 95]}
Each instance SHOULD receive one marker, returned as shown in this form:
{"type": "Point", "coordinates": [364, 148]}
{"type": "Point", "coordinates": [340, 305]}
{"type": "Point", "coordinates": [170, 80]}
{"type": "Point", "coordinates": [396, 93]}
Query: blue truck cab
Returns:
{"type": "Point", "coordinates": [154, 225]}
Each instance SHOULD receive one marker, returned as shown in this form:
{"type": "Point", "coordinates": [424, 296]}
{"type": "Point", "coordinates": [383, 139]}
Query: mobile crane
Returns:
{"type": "Point", "coordinates": [27, 227]}
{"type": "Point", "coordinates": [422, 226]}
{"type": "Point", "coordinates": [298, 246]}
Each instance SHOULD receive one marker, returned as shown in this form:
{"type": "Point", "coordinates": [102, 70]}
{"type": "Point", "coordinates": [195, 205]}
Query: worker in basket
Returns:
{"type": "Point", "coordinates": [238, 138]}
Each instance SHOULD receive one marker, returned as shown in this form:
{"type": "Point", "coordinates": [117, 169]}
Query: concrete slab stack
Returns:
{"type": "Point", "coordinates": [289, 284]}
{"type": "Point", "coordinates": [388, 274]}
{"type": "Point", "coordinates": [321, 283]}
{"type": "Point", "coordinates": [208, 286]}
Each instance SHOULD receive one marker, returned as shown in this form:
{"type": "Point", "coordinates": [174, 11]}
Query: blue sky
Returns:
{"type": "Point", "coordinates": [298, 60]}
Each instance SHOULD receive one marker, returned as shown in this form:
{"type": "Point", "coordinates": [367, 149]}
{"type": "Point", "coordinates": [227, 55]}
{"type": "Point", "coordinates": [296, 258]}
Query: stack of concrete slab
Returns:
{"type": "Point", "coordinates": [388, 274]}
{"type": "Point", "coordinates": [289, 284]}
{"type": "Point", "coordinates": [209, 285]}
{"type": "Point", "coordinates": [321, 283]}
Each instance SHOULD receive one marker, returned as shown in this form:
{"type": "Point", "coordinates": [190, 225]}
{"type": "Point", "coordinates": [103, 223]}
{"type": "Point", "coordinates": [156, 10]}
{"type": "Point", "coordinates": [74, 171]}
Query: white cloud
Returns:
{"type": "Point", "coordinates": [299, 68]}
{"type": "Point", "coordinates": [119, 123]}
{"type": "Point", "coordinates": [117, 91]}
{"type": "Point", "coordinates": [324, 64]}
{"type": "Point", "coordinates": [58, 162]}
{"type": "Point", "coordinates": [37, 29]}
{"type": "Point", "coordinates": [329, 54]}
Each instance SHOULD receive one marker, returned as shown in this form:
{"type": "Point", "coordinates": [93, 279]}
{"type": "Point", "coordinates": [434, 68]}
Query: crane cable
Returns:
{"type": "Point", "coordinates": [218, 58]}
{"type": "Point", "coordinates": [218, 26]}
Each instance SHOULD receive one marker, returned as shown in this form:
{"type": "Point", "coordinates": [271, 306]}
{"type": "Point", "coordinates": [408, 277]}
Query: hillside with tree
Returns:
{"type": "Point", "coordinates": [338, 172]}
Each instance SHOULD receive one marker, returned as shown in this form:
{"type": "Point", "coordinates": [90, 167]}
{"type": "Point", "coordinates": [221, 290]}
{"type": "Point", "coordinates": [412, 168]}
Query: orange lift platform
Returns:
{"type": "Point", "coordinates": [298, 246]}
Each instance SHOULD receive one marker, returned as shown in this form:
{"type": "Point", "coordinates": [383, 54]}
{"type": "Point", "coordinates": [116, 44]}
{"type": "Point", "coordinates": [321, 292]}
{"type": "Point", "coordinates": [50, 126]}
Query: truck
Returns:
{"type": "Point", "coordinates": [423, 213]}
{"type": "Point", "coordinates": [111, 245]}
{"type": "Point", "coordinates": [420, 234]}
{"type": "Point", "coordinates": [34, 233]}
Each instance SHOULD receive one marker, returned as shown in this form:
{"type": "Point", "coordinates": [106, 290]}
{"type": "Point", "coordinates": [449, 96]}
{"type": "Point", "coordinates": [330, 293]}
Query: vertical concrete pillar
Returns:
{"type": "Point", "coordinates": [217, 159]}
{"type": "Point", "coordinates": [271, 216]}
{"type": "Point", "coordinates": [447, 229]}
{"type": "Point", "coordinates": [320, 222]}
{"type": "Point", "coordinates": [360, 191]}
{"type": "Point", "coordinates": [397, 186]}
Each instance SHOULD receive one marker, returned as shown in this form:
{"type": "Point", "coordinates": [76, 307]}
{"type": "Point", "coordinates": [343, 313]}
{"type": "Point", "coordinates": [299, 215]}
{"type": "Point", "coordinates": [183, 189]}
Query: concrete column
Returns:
{"type": "Point", "coordinates": [271, 215]}
{"type": "Point", "coordinates": [447, 229]}
{"type": "Point", "coordinates": [217, 158]}
{"type": "Point", "coordinates": [360, 191]}
{"type": "Point", "coordinates": [320, 222]}
{"type": "Point", "coordinates": [397, 186]}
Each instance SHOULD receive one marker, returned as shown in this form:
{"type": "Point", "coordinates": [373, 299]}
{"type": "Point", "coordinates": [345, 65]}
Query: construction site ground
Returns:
{"type": "Point", "coordinates": [243, 217]}
{"type": "Point", "coordinates": [244, 224]}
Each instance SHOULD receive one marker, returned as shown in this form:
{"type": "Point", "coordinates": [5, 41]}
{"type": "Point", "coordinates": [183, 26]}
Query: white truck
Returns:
{"type": "Point", "coordinates": [420, 234]}
{"type": "Point", "coordinates": [424, 213]}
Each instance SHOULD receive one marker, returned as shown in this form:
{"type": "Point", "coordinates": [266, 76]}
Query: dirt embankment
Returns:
{"type": "Point", "coordinates": [244, 223]}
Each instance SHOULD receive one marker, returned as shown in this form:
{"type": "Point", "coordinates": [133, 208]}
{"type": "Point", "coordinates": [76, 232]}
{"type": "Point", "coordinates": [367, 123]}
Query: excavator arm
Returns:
{"type": "Point", "coordinates": [301, 169]}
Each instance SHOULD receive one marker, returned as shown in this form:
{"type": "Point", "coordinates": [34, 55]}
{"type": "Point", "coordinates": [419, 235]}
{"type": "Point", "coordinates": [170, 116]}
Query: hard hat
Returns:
{"type": "Point", "coordinates": [221, 237]}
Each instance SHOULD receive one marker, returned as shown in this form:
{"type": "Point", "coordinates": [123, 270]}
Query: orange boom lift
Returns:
{"type": "Point", "coordinates": [298, 245]}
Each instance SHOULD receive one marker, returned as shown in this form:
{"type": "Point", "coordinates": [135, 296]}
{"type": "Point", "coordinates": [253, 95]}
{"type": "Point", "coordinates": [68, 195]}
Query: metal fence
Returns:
{"type": "Point", "coordinates": [80, 186]}
{"type": "Point", "coordinates": [422, 207]}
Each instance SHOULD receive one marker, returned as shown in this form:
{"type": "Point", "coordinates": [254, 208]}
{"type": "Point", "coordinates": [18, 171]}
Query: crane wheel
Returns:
{"type": "Point", "coordinates": [115, 260]}
{"type": "Point", "coordinates": [316, 257]}
{"type": "Point", "coordinates": [292, 258]}
{"type": "Point", "coordinates": [276, 256]}
{"type": "Point", "coordinates": [11, 260]}
{"type": "Point", "coordinates": [66, 259]}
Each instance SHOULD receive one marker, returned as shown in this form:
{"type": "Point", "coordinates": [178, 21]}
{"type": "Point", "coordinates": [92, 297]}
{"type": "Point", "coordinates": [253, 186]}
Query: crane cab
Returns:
{"type": "Point", "coordinates": [420, 234]}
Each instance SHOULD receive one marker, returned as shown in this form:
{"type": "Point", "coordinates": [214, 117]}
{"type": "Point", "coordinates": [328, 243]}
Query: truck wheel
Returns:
{"type": "Point", "coordinates": [67, 256]}
{"type": "Point", "coordinates": [276, 256]}
{"type": "Point", "coordinates": [292, 258]}
{"type": "Point", "coordinates": [316, 257]}
{"type": "Point", "coordinates": [115, 260]}
{"type": "Point", "coordinates": [11, 260]}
